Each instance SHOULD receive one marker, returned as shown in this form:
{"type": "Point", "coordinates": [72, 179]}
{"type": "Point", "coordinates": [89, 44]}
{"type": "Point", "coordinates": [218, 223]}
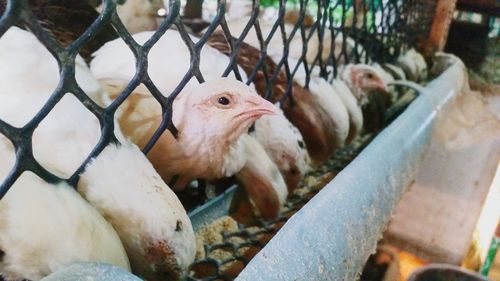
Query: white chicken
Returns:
{"type": "Point", "coordinates": [269, 190]}
{"type": "Point", "coordinates": [353, 109]}
{"type": "Point", "coordinates": [414, 65]}
{"type": "Point", "coordinates": [275, 45]}
{"type": "Point", "coordinates": [44, 227]}
{"type": "Point", "coordinates": [362, 79]}
{"type": "Point", "coordinates": [328, 100]}
{"type": "Point", "coordinates": [146, 213]}
{"type": "Point", "coordinates": [369, 89]}
{"type": "Point", "coordinates": [138, 15]}
{"type": "Point", "coordinates": [210, 118]}
{"type": "Point", "coordinates": [395, 71]}
{"type": "Point", "coordinates": [284, 144]}
{"type": "Point", "coordinates": [159, 249]}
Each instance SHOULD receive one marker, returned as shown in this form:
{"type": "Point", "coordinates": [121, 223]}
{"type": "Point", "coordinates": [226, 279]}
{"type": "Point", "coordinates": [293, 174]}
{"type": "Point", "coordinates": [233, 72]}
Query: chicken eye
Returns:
{"type": "Point", "coordinates": [223, 101]}
{"type": "Point", "coordinates": [370, 76]}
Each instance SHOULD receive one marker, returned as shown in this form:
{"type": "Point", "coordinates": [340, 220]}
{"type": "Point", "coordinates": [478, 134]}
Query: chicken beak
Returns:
{"type": "Point", "coordinates": [258, 107]}
{"type": "Point", "coordinates": [381, 86]}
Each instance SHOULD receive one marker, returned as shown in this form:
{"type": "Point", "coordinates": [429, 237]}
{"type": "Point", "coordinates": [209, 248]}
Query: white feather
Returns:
{"type": "Point", "coordinates": [168, 62]}
{"type": "Point", "coordinates": [328, 99]}
{"type": "Point", "coordinates": [71, 127]}
{"type": "Point", "coordinates": [44, 227]}
{"type": "Point", "coordinates": [385, 76]}
{"type": "Point", "coordinates": [333, 105]}
{"type": "Point", "coordinates": [144, 210]}
{"type": "Point", "coordinates": [414, 65]}
{"type": "Point", "coordinates": [282, 141]}
{"type": "Point", "coordinates": [275, 45]}
{"type": "Point", "coordinates": [258, 161]}
{"type": "Point", "coordinates": [351, 104]}
{"type": "Point", "coordinates": [138, 15]}
{"type": "Point", "coordinates": [285, 146]}
{"type": "Point", "coordinates": [26, 83]}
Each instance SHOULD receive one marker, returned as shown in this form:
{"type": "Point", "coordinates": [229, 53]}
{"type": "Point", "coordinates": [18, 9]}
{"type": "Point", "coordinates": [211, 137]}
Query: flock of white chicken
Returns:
{"type": "Point", "coordinates": [123, 213]}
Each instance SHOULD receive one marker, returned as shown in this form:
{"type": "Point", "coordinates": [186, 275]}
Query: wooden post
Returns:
{"type": "Point", "coordinates": [440, 26]}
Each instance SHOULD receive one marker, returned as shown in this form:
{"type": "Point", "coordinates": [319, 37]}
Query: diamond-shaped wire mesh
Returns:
{"type": "Point", "coordinates": [360, 31]}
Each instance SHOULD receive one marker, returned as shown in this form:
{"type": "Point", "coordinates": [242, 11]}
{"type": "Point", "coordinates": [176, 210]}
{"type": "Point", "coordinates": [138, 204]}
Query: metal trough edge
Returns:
{"type": "Point", "coordinates": [214, 209]}
{"type": "Point", "coordinates": [332, 236]}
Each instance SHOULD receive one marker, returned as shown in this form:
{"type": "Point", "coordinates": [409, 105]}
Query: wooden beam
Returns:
{"type": "Point", "coordinates": [440, 26]}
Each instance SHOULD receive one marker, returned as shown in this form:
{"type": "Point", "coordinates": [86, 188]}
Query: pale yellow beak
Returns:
{"type": "Point", "coordinates": [258, 106]}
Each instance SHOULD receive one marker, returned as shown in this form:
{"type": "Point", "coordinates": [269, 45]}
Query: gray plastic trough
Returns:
{"type": "Point", "coordinates": [331, 237]}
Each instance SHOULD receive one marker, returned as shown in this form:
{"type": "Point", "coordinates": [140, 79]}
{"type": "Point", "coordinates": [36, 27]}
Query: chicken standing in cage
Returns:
{"type": "Point", "coordinates": [208, 145]}
{"type": "Point", "coordinates": [298, 104]}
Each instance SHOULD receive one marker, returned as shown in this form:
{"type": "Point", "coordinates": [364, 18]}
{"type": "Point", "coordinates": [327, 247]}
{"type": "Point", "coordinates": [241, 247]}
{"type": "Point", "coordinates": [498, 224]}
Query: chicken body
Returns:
{"type": "Point", "coordinates": [328, 100]}
{"type": "Point", "coordinates": [138, 15]}
{"type": "Point", "coordinates": [24, 95]}
{"type": "Point", "coordinates": [363, 80]}
{"type": "Point", "coordinates": [369, 89]}
{"type": "Point", "coordinates": [45, 227]}
{"type": "Point", "coordinates": [284, 144]}
{"type": "Point", "coordinates": [414, 65]}
{"type": "Point", "coordinates": [264, 177]}
{"type": "Point", "coordinates": [275, 45]}
{"type": "Point", "coordinates": [114, 64]}
{"type": "Point", "coordinates": [147, 215]}
{"type": "Point", "coordinates": [300, 107]}
{"type": "Point", "coordinates": [336, 98]}
{"type": "Point", "coordinates": [207, 145]}
{"type": "Point", "coordinates": [104, 184]}
{"type": "Point", "coordinates": [353, 109]}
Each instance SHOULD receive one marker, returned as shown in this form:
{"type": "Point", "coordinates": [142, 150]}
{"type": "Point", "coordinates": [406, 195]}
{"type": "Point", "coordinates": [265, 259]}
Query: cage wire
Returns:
{"type": "Point", "coordinates": [361, 31]}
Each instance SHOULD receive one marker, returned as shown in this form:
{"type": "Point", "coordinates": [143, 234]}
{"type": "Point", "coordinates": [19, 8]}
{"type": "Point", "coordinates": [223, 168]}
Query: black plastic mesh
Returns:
{"type": "Point", "coordinates": [383, 28]}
